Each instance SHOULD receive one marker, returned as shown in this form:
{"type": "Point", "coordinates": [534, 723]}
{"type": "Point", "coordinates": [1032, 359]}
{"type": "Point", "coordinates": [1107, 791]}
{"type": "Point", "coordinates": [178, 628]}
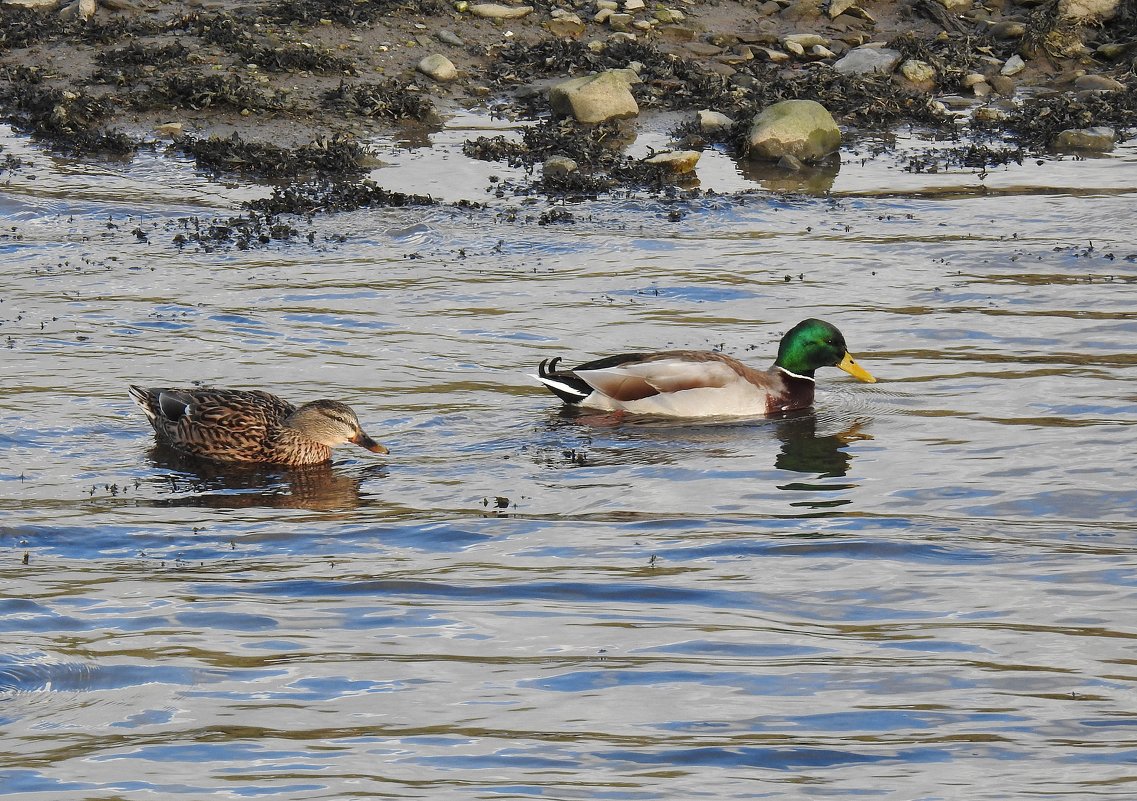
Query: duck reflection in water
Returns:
{"type": "Point", "coordinates": [316, 487]}
{"type": "Point", "coordinates": [805, 451]}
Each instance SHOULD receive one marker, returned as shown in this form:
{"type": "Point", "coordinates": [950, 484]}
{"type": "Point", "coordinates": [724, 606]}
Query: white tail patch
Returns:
{"type": "Point", "coordinates": [567, 388]}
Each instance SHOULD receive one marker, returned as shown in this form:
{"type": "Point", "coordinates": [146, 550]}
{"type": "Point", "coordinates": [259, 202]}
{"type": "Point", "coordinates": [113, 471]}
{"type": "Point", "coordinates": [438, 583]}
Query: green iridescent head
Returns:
{"type": "Point", "coordinates": [815, 343]}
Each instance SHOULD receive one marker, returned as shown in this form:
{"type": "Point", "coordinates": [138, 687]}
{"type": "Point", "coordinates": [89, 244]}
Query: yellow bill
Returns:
{"type": "Point", "coordinates": [855, 370]}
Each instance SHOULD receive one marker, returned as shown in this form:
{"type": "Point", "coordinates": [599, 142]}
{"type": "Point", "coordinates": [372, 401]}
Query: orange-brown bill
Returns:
{"type": "Point", "coordinates": [364, 441]}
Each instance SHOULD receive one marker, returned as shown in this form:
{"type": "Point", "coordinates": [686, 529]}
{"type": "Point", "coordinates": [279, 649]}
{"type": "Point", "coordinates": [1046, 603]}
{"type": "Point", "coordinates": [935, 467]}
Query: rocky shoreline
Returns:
{"type": "Point", "coordinates": [289, 92]}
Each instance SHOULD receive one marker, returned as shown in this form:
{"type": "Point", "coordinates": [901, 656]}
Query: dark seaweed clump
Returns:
{"type": "Point", "coordinates": [871, 102]}
{"type": "Point", "coordinates": [10, 163]}
{"type": "Point", "coordinates": [243, 233]}
{"type": "Point", "coordinates": [233, 155]}
{"type": "Point", "coordinates": [972, 156]}
{"type": "Point", "coordinates": [191, 89]}
{"type": "Point", "coordinates": [669, 81]}
{"type": "Point", "coordinates": [951, 57]}
{"type": "Point", "coordinates": [22, 27]}
{"type": "Point", "coordinates": [330, 196]}
{"type": "Point", "coordinates": [311, 12]}
{"type": "Point", "coordinates": [236, 37]}
{"type": "Point", "coordinates": [1039, 120]}
{"type": "Point", "coordinates": [596, 148]}
{"type": "Point", "coordinates": [126, 66]}
{"type": "Point", "coordinates": [298, 57]}
{"type": "Point", "coordinates": [69, 120]}
{"type": "Point", "coordinates": [552, 57]}
{"type": "Point", "coordinates": [389, 101]}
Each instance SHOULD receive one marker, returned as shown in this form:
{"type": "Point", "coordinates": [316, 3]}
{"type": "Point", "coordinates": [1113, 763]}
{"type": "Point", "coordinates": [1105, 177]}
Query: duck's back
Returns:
{"type": "Point", "coordinates": [224, 425]}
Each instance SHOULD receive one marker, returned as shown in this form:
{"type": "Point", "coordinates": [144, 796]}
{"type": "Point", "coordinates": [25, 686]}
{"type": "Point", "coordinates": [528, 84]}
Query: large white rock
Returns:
{"type": "Point", "coordinates": [565, 25]}
{"type": "Point", "coordinates": [1013, 66]}
{"type": "Point", "coordinates": [920, 73]}
{"type": "Point", "coordinates": [559, 166]}
{"type": "Point", "coordinates": [839, 7]}
{"type": "Point", "coordinates": [438, 67]}
{"type": "Point", "coordinates": [596, 98]}
{"type": "Point", "coordinates": [801, 128]}
{"type": "Point", "coordinates": [714, 121]}
{"type": "Point", "coordinates": [1097, 140]}
{"type": "Point", "coordinates": [498, 11]}
{"type": "Point", "coordinates": [1088, 10]}
{"type": "Point", "coordinates": [677, 161]}
{"type": "Point", "coordinates": [1098, 83]}
{"type": "Point", "coordinates": [865, 60]}
{"type": "Point", "coordinates": [80, 9]}
{"type": "Point", "coordinates": [40, 4]}
{"type": "Point", "coordinates": [805, 40]}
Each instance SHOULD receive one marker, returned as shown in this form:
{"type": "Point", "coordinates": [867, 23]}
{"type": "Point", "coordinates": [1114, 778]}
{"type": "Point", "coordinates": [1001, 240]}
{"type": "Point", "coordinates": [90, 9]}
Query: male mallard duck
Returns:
{"type": "Point", "coordinates": [232, 425]}
{"type": "Point", "coordinates": [692, 383]}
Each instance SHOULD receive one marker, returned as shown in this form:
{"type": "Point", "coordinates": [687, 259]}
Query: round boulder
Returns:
{"type": "Point", "coordinates": [596, 98]}
{"type": "Point", "coordinates": [1094, 140]}
{"type": "Point", "coordinates": [801, 128]}
{"type": "Point", "coordinates": [438, 67]}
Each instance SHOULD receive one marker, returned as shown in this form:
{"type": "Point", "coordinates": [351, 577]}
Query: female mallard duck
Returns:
{"type": "Point", "coordinates": [230, 425]}
{"type": "Point", "coordinates": [692, 383]}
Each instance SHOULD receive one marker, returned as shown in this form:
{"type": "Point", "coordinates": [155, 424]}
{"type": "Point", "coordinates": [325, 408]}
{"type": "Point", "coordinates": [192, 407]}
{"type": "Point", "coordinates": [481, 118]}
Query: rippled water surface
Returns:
{"type": "Point", "coordinates": [924, 589]}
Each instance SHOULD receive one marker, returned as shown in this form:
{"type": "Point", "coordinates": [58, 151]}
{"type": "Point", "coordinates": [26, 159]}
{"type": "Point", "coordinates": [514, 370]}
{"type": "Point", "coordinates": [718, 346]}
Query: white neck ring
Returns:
{"type": "Point", "coordinates": [795, 375]}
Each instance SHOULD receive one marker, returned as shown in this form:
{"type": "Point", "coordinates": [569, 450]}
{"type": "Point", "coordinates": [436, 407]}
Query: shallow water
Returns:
{"type": "Point", "coordinates": [921, 590]}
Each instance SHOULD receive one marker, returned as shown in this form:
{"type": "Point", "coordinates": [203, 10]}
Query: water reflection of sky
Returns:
{"type": "Point", "coordinates": [923, 583]}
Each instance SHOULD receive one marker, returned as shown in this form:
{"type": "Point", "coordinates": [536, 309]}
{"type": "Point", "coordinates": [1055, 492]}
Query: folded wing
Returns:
{"type": "Point", "coordinates": [634, 381]}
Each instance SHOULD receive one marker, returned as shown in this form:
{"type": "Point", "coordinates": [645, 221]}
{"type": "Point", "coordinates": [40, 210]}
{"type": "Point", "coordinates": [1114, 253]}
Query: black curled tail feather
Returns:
{"type": "Point", "coordinates": [565, 384]}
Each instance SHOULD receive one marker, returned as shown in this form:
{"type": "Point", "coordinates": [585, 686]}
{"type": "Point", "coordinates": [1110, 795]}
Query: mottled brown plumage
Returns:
{"type": "Point", "coordinates": [230, 425]}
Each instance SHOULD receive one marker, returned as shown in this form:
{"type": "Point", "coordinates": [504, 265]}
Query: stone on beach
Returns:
{"type": "Point", "coordinates": [714, 121]}
{"type": "Point", "coordinates": [81, 9]}
{"type": "Point", "coordinates": [804, 40]}
{"type": "Point", "coordinates": [677, 161]}
{"type": "Point", "coordinates": [498, 11]}
{"type": "Point", "coordinates": [1013, 66]}
{"type": "Point", "coordinates": [1011, 29]}
{"type": "Point", "coordinates": [1088, 10]}
{"type": "Point", "coordinates": [565, 25]}
{"type": "Point", "coordinates": [865, 60]}
{"type": "Point", "coordinates": [596, 98]}
{"type": "Point", "coordinates": [839, 7]}
{"type": "Point", "coordinates": [919, 73]}
{"type": "Point", "coordinates": [438, 67]}
{"type": "Point", "coordinates": [1098, 83]}
{"type": "Point", "coordinates": [174, 130]}
{"type": "Point", "coordinates": [557, 166]}
{"type": "Point", "coordinates": [1099, 139]}
{"type": "Point", "coordinates": [801, 128]}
